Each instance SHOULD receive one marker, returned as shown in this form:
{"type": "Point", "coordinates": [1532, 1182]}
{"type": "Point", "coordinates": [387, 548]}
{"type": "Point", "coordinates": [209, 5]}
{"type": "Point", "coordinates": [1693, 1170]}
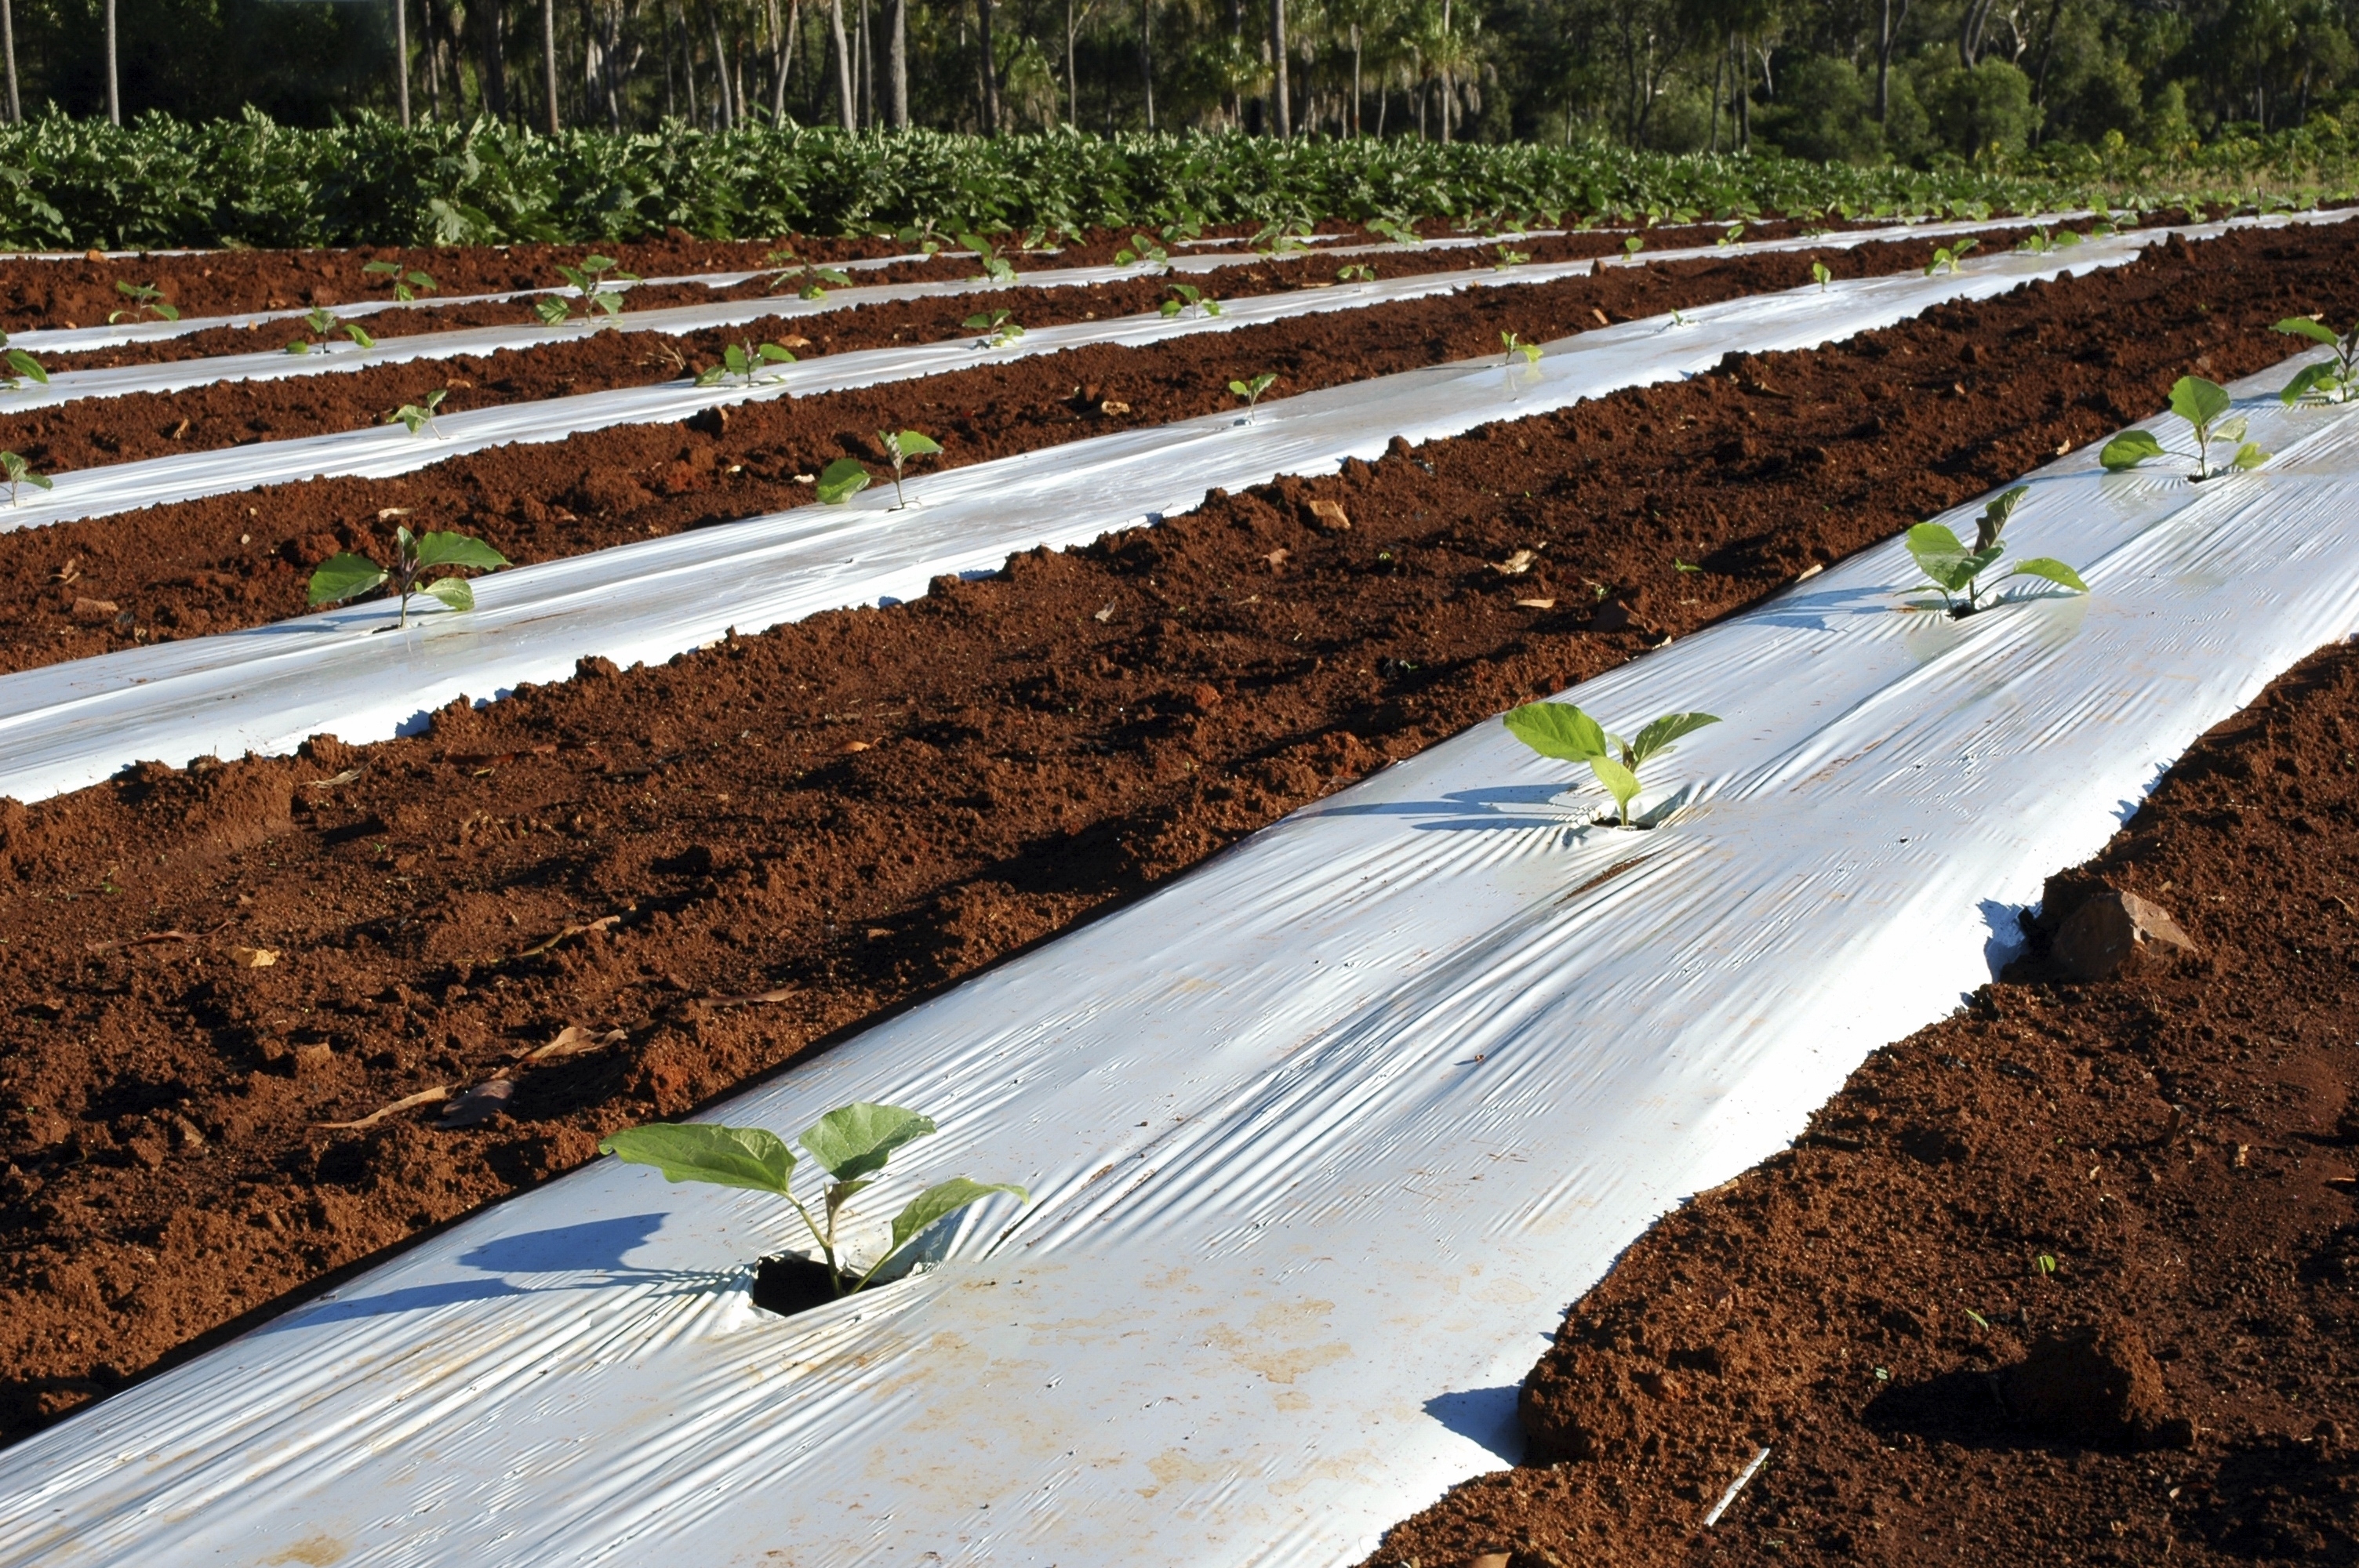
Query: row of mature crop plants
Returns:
{"type": "Point", "coordinates": [161, 183]}
{"type": "Point", "coordinates": [919, 790]}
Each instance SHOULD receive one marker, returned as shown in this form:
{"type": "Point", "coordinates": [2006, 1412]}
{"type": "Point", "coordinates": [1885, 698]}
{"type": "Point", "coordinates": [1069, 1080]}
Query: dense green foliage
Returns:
{"type": "Point", "coordinates": [162, 183]}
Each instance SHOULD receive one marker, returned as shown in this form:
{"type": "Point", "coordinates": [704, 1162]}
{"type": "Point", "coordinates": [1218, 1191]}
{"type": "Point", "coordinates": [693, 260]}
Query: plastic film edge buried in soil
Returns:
{"type": "Point", "coordinates": [266, 689]}
{"type": "Point", "coordinates": [1321, 1136]}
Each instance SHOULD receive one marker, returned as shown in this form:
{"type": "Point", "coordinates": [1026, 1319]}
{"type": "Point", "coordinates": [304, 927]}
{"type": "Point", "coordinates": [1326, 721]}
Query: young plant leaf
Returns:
{"type": "Point", "coordinates": [2303, 327]}
{"type": "Point", "coordinates": [346, 576]}
{"type": "Point", "coordinates": [2053, 570]}
{"type": "Point", "coordinates": [851, 1140]}
{"type": "Point", "coordinates": [2197, 401]}
{"type": "Point", "coordinates": [2128, 450]}
{"type": "Point", "coordinates": [1556, 730]}
{"type": "Point", "coordinates": [1941, 557]}
{"type": "Point", "coordinates": [1619, 782]}
{"type": "Point", "coordinates": [2307, 380]}
{"type": "Point", "coordinates": [1656, 737]}
{"type": "Point", "coordinates": [2249, 456]}
{"type": "Point", "coordinates": [749, 1157]}
{"type": "Point", "coordinates": [841, 481]}
{"type": "Point", "coordinates": [916, 444]}
{"type": "Point", "coordinates": [943, 1200]}
{"type": "Point", "coordinates": [453, 591]}
{"type": "Point", "coordinates": [457, 550]}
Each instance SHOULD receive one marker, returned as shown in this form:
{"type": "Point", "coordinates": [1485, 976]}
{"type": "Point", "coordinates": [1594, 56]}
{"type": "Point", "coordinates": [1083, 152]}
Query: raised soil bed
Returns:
{"type": "Point", "coordinates": [733, 858]}
{"type": "Point", "coordinates": [2071, 1276]}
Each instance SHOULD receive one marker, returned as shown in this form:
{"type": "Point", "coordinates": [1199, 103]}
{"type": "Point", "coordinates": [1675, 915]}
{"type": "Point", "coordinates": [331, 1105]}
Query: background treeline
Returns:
{"type": "Point", "coordinates": [1856, 80]}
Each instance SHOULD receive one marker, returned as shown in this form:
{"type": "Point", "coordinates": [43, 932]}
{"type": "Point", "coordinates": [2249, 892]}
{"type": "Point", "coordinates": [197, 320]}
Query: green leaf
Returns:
{"type": "Point", "coordinates": [2052, 570]}
{"type": "Point", "coordinates": [2308, 379]}
{"type": "Point", "coordinates": [453, 591]}
{"type": "Point", "coordinates": [1619, 782]}
{"type": "Point", "coordinates": [2197, 401]}
{"type": "Point", "coordinates": [2128, 450]}
{"type": "Point", "coordinates": [916, 444]}
{"type": "Point", "coordinates": [1656, 737]}
{"type": "Point", "coordinates": [37, 480]}
{"type": "Point", "coordinates": [358, 336]}
{"type": "Point", "coordinates": [168, 311]}
{"type": "Point", "coordinates": [735, 358]}
{"type": "Point", "coordinates": [344, 576]}
{"type": "Point", "coordinates": [940, 1201]}
{"type": "Point", "coordinates": [26, 365]}
{"type": "Point", "coordinates": [2229, 429]}
{"type": "Point", "coordinates": [841, 481]}
{"type": "Point", "coordinates": [750, 1157]}
{"type": "Point", "coordinates": [1172, 308]}
{"type": "Point", "coordinates": [776, 355]}
{"type": "Point", "coordinates": [2250, 456]}
{"type": "Point", "coordinates": [457, 550]}
{"type": "Point", "coordinates": [853, 1139]}
{"type": "Point", "coordinates": [552, 311]}
{"type": "Point", "coordinates": [2303, 327]}
{"type": "Point", "coordinates": [1940, 555]}
{"type": "Point", "coordinates": [1556, 730]}
{"type": "Point", "coordinates": [712, 375]}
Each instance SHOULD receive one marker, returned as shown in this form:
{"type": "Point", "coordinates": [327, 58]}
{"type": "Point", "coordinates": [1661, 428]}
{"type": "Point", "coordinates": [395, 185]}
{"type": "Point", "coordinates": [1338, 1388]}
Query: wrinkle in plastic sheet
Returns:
{"type": "Point", "coordinates": [1323, 1135]}
{"type": "Point", "coordinates": [343, 671]}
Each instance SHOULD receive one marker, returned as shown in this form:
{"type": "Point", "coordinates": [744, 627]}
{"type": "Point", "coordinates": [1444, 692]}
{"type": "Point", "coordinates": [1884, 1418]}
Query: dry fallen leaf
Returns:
{"type": "Point", "coordinates": [1331, 513]}
{"type": "Point", "coordinates": [1278, 558]}
{"type": "Point", "coordinates": [347, 776]}
{"type": "Point", "coordinates": [1106, 614]}
{"type": "Point", "coordinates": [1537, 603]}
{"type": "Point", "coordinates": [779, 994]}
{"type": "Point", "coordinates": [407, 1102]}
{"type": "Point", "coordinates": [253, 957]}
{"type": "Point", "coordinates": [573, 1041]}
{"type": "Point", "coordinates": [387, 513]}
{"type": "Point", "coordinates": [1111, 406]}
{"type": "Point", "coordinates": [1808, 572]}
{"type": "Point", "coordinates": [797, 342]}
{"type": "Point", "coordinates": [848, 747]}
{"type": "Point", "coordinates": [88, 609]}
{"type": "Point", "coordinates": [1516, 565]}
{"type": "Point", "coordinates": [479, 1105]}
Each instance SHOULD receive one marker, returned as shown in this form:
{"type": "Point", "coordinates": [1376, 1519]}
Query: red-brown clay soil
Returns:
{"type": "Point", "coordinates": [224, 562]}
{"type": "Point", "coordinates": [221, 562]}
{"type": "Point", "coordinates": [842, 815]}
{"type": "Point", "coordinates": [65, 293]}
{"type": "Point", "coordinates": [93, 432]}
{"type": "Point", "coordinates": [2071, 1277]}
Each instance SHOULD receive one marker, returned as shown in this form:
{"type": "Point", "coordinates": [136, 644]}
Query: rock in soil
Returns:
{"type": "Point", "coordinates": [2116, 932]}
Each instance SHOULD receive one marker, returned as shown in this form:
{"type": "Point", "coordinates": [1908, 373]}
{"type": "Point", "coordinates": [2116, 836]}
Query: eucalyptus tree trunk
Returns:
{"type": "Point", "coordinates": [400, 59]}
{"type": "Point", "coordinates": [8, 39]}
{"type": "Point", "coordinates": [720, 64]}
{"type": "Point", "coordinates": [113, 91]}
{"type": "Point", "coordinates": [1146, 55]}
{"type": "Point", "coordinates": [990, 80]}
{"type": "Point", "coordinates": [548, 59]}
{"type": "Point", "coordinates": [492, 72]}
{"type": "Point", "coordinates": [1280, 97]}
{"type": "Point", "coordinates": [897, 64]}
{"type": "Point", "coordinates": [1072, 86]}
{"type": "Point", "coordinates": [842, 62]}
{"type": "Point", "coordinates": [785, 64]}
{"type": "Point", "coordinates": [1355, 78]}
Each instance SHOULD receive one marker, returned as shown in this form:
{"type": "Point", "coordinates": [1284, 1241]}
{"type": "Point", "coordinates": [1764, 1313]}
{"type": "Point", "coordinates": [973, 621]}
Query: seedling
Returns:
{"type": "Point", "coordinates": [1955, 569]}
{"type": "Point", "coordinates": [407, 284]}
{"type": "Point", "coordinates": [18, 472]}
{"type": "Point", "coordinates": [1732, 233]}
{"type": "Point", "coordinates": [142, 297]}
{"type": "Point", "coordinates": [1633, 245]}
{"type": "Point", "coordinates": [1142, 251]}
{"type": "Point", "coordinates": [22, 368]}
{"type": "Point", "coordinates": [997, 328]}
{"type": "Point", "coordinates": [746, 362]}
{"type": "Point", "coordinates": [590, 282]}
{"type": "Point", "coordinates": [1818, 272]}
{"type": "Point", "coordinates": [851, 1142]}
{"type": "Point", "coordinates": [1514, 346]}
{"type": "Point", "coordinates": [997, 268]}
{"type": "Point", "coordinates": [1276, 240]}
{"type": "Point", "coordinates": [2337, 381]}
{"type": "Point", "coordinates": [812, 282]}
{"type": "Point", "coordinates": [321, 323]}
{"type": "Point", "coordinates": [1508, 258]}
{"type": "Point", "coordinates": [419, 416]}
{"type": "Point", "coordinates": [1394, 234]}
{"type": "Point", "coordinates": [1561, 731]}
{"type": "Point", "coordinates": [347, 575]}
{"type": "Point", "coordinates": [841, 481]}
{"type": "Point", "coordinates": [919, 234]}
{"type": "Point", "coordinates": [2203, 404]}
{"type": "Point", "coordinates": [900, 446]}
{"type": "Point", "coordinates": [1251, 391]}
{"type": "Point", "coordinates": [1355, 272]}
{"type": "Point", "coordinates": [1192, 301]}
{"type": "Point", "coordinates": [1947, 257]}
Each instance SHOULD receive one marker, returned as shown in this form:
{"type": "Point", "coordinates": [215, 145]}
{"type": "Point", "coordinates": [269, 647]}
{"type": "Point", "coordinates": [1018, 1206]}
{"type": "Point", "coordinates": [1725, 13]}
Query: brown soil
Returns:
{"type": "Point", "coordinates": [736, 856]}
{"type": "Point", "coordinates": [221, 562]}
{"type": "Point", "coordinates": [2178, 1383]}
{"type": "Point", "coordinates": [219, 283]}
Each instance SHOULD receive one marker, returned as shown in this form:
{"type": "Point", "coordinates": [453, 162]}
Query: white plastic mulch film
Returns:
{"type": "Point", "coordinates": [586, 412]}
{"type": "Point", "coordinates": [1322, 1136]}
{"type": "Point", "coordinates": [69, 725]}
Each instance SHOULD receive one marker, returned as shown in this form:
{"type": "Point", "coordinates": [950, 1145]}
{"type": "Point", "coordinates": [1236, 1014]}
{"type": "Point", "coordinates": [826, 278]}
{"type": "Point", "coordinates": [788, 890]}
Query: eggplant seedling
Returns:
{"type": "Point", "coordinates": [1251, 391]}
{"type": "Point", "coordinates": [1278, 241]}
{"type": "Point", "coordinates": [808, 280]}
{"type": "Point", "coordinates": [1142, 251]}
{"type": "Point", "coordinates": [746, 362]}
{"type": "Point", "coordinates": [419, 416]}
{"type": "Point", "coordinates": [997, 326]}
{"type": "Point", "coordinates": [16, 471]}
{"type": "Point", "coordinates": [1819, 274]}
{"type": "Point", "coordinates": [1355, 272]}
{"type": "Point", "coordinates": [901, 446]}
{"type": "Point", "coordinates": [1632, 246]}
{"type": "Point", "coordinates": [1395, 233]}
{"type": "Point", "coordinates": [1560, 730]}
{"type": "Point", "coordinates": [1508, 258]}
{"type": "Point", "coordinates": [321, 323]}
{"type": "Point", "coordinates": [142, 297]}
{"type": "Point", "coordinates": [851, 1143]}
{"type": "Point", "coordinates": [590, 282]}
{"type": "Point", "coordinates": [407, 284]}
{"type": "Point", "coordinates": [2204, 405]}
{"type": "Point", "coordinates": [1955, 569]}
{"type": "Point", "coordinates": [997, 268]}
{"type": "Point", "coordinates": [22, 368]}
{"type": "Point", "coordinates": [1947, 257]}
{"type": "Point", "coordinates": [1514, 346]}
{"type": "Point", "coordinates": [1192, 301]}
{"type": "Point", "coordinates": [347, 575]}
{"type": "Point", "coordinates": [2335, 380]}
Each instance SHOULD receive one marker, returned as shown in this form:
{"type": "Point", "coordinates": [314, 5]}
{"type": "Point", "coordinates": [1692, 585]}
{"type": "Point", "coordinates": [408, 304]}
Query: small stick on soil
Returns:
{"type": "Point", "coordinates": [1735, 1487]}
{"type": "Point", "coordinates": [174, 936]}
{"type": "Point", "coordinates": [407, 1102]}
